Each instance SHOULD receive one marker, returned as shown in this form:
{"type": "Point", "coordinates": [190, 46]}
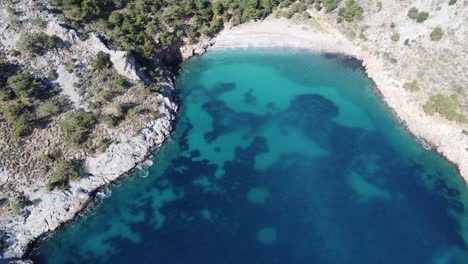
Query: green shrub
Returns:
{"type": "Point", "coordinates": [102, 61]}
{"type": "Point", "coordinates": [411, 86]}
{"type": "Point", "coordinates": [437, 33]}
{"type": "Point", "coordinates": [446, 106]}
{"type": "Point", "coordinates": [413, 13]}
{"type": "Point", "coordinates": [65, 171]}
{"type": "Point", "coordinates": [70, 66]}
{"type": "Point", "coordinates": [392, 25]}
{"type": "Point", "coordinates": [38, 22]}
{"type": "Point", "coordinates": [216, 25]}
{"type": "Point", "coordinates": [110, 120]}
{"type": "Point", "coordinates": [452, 2]}
{"type": "Point", "coordinates": [387, 56]}
{"type": "Point", "coordinates": [395, 36]}
{"type": "Point", "coordinates": [422, 16]}
{"type": "Point", "coordinates": [379, 6]}
{"type": "Point", "coordinates": [47, 158]}
{"type": "Point", "coordinates": [52, 74]}
{"type": "Point", "coordinates": [22, 126]}
{"type": "Point", "coordinates": [352, 11]}
{"type": "Point", "coordinates": [105, 95]}
{"type": "Point", "coordinates": [12, 110]}
{"type": "Point", "coordinates": [76, 126]}
{"type": "Point", "coordinates": [48, 108]}
{"type": "Point", "coordinates": [20, 202]}
{"type": "Point", "coordinates": [330, 5]}
{"type": "Point", "coordinates": [3, 72]}
{"type": "Point", "coordinates": [10, 10]}
{"type": "Point", "coordinates": [38, 43]}
{"type": "Point", "coordinates": [23, 84]}
{"type": "Point", "coordinates": [103, 145]}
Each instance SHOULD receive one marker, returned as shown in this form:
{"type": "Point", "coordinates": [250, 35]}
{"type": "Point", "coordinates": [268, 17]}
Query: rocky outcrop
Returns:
{"type": "Point", "coordinates": [196, 49]}
{"type": "Point", "coordinates": [123, 62]}
{"type": "Point", "coordinates": [58, 207]}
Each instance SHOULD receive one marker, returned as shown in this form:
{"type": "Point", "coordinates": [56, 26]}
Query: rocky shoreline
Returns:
{"type": "Point", "coordinates": [59, 208]}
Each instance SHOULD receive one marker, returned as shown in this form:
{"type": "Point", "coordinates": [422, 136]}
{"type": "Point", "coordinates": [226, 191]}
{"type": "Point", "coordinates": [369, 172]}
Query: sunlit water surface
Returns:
{"type": "Point", "coordinates": [278, 157]}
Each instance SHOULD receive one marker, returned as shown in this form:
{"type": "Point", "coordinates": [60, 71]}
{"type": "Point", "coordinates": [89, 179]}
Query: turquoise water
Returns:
{"type": "Point", "coordinates": [278, 157]}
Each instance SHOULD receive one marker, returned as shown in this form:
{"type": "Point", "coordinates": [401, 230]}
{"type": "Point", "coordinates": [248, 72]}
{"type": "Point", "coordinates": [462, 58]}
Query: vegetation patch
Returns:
{"type": "Point", "coordinates": [102, 61]}
{"type": "Point", "coordinates": [352, 11]}
{"type": "Point", "coordinates": [38, 43]}
{"type": "Point", "coordinates": [437, 33]}
{"type": "Point", "coordinates": [414, 14]}
{"type": "Point", "coordinates": [76, 126]}
{"type": "Point", "coordinates": [445, 105]}
{"type": "Point", "coordinates": [24, 100]}
{"type": "Point", "coordinates": [388, 57]}
{"type": "Point", "coordinates": [411, 86]}
{"type": "Point", "coordinates": [65, 172]}
{"type": "Point", "coordinates": [395, 37]}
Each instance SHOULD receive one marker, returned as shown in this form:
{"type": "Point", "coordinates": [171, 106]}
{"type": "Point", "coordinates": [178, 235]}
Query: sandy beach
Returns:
{"type": "Point", "coordinates": [443, 135]}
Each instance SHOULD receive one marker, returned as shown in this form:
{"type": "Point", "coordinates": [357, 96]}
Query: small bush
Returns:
{"type": "Point", "coordinates": [38, 22]}
{"type": "Point", "coordinates": [413, 13]}
{"type": "Point", "coordinates": [110, 120]}
{"type": "Point", "coordinates": [46, 158]}
{"type": "Point", "coordinates": [12, 110]}
{"type": "Point", "coordinates": [352, 11]}
{"type": "Point", "coordinates": [103, 145]}
{"type": "Point", "coordinates": [48, 108]}
{"type": "Point", "coordinates": [23, 85]}
{"type": "Point", "coordinates": [52, 74]}
{"type": "Point", "coordinates": [330, 5]}
{"type": "Point", "coordinates": [70, 66]}
{"type": "Point", "coordinates": [387, 56]}
{"type": "Point", "coordinates": [76, 126]}
{"type": "Point", "coordinates": [411, 86]}
{"type": "Point", "coordinates": [452, 2]}
{"type": "Point", "coordinates": [422, 16]}
{"type": "Point", "coordinates": [395, 36]}
{"type": "Point", "coordinates": [102, 61]}
{"type": "Point", "coordinates": [20, 202]}
{"type": "Point", "coordinates": [38, 43]}
{"type": "Point", "coordinates": [437, 33]}
{"type": "Point", "coordinates": [10, 10]}
{"type": "Point", "coordinates": [446, 106]}
{"type": "Point", "coordinates": [65, 172]}
{"type": "Point", "coordinates": [379, 6]}
{"type": "Point", "coordinates": [22, 126]}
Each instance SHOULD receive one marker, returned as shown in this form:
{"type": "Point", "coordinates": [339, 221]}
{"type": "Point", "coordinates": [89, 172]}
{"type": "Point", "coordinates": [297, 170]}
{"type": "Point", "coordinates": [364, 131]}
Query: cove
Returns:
{"type": "Point", "coordinates": [278, 157]}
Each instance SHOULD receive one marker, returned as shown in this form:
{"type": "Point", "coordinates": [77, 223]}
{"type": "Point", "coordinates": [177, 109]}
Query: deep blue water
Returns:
{"type": "Point", "coordinates": [278, 157]}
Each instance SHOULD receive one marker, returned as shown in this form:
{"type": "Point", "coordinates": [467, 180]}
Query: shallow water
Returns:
{"type": "Point", "coordinates": [278, 157]}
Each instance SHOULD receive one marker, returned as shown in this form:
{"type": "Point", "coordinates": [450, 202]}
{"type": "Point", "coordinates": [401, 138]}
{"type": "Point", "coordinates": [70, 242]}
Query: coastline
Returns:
{"type": "Point", "coordinates": [60, 208]}
{"type": "Point", "coordinates": [274, 33]}
{"type": "Point", "coordinates": [270, 33]}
